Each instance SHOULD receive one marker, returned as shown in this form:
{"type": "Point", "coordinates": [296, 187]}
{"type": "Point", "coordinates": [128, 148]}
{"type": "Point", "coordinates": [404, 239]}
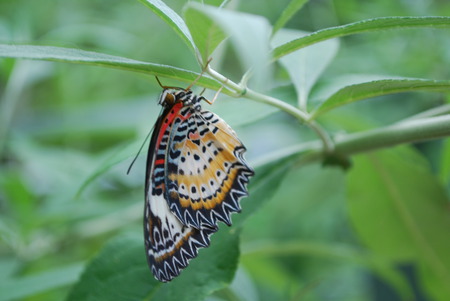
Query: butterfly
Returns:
{"type": "Point", "coordinates": [196, 175]}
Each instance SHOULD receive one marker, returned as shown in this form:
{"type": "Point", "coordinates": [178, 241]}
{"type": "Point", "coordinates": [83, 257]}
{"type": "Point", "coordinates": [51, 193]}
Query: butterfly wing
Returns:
{"type": "Point", "coordinates": [170, 244]}
{"type": "Point", "coordinates": [207, 174]}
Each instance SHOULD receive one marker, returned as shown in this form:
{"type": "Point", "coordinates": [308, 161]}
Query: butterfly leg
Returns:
{"type": "Point", "coordinates": [215, 96]}
{"type": "Point", "coordinates": [199, 76]}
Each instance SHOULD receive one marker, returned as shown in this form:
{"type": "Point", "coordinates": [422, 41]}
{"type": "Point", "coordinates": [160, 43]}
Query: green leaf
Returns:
{"type": "Point", "coordinates": [206, 34]}
{"type": "Point", "coordinates": [361, 91]}
{"type": "Point", "coordinates": [263, 186]}
{"type": "Point", "coordinates": [370, 25]}
{"type": "Point", "coordinates": [119, 155]}
{"type": "Point", "coordinates": [400, 211]}
{"type": "Point", "coordinates": [20, 288]}
{"type": "Point", "coordinates": [290, 10]}
{"type": "Point", "coordinates": [60, 54]}
{"type": "Point", "coordinates": [120, 269]}
{"type": "Point", "coordinates": [241, 111]}
{"type": "Point", "coordinates": [249, 35]}
{"type": "Point", "coordinates": [172, 19]}
{"type": "Point", "coordinates": [306, 65]}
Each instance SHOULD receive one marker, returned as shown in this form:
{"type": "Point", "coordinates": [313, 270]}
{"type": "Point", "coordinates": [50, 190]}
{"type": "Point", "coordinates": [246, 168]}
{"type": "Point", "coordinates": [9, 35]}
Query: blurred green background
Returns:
{"type": "Point", "coordinates": [63, 123]}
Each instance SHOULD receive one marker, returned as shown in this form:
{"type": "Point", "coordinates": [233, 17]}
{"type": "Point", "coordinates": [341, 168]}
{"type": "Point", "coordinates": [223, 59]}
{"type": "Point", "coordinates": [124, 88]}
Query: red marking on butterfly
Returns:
{"type": "Point", "coordinates": [196, 176]}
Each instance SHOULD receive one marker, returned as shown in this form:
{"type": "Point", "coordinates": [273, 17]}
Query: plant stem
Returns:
{"type": "Point", "coordinates": [301, 116]}
{"type": "Point", "coordinates": [405, 132]}
{"type": "Point", "coordinates": [351, 144]}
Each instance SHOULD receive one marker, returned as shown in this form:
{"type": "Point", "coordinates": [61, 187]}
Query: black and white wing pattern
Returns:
{"type": "Point", "coordinates": [196, 176]}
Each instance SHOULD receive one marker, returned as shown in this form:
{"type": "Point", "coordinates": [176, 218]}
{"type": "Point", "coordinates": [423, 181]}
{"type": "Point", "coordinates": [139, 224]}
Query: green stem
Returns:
{"type": "Point", "coordinates": [404, 132]}
{"type": "Point", "coordinates": [351, 144]}
{"type": "Point", "coordinates": [302, 117]}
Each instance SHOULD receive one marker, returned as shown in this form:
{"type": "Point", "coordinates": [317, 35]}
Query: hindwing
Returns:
{"type": "Point", "coordinates": [207, 174]}
{"type": "Point", "coordinates": [170, 244]}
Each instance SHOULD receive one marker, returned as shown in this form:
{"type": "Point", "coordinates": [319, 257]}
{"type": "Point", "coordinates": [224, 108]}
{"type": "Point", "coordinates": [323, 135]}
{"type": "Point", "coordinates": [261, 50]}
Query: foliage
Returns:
{"type": "Point", "coordinates": [364, 221]}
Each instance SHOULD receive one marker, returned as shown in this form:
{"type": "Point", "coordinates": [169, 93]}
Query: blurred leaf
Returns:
{"type": "Point", "coordinates": [362, 91]}
{"type": "Point", "coordinates": [172, 19]}
{"type": "Point", "coordinates": [23, 75]}
{"type": "Point", "coordinates": [306, 65]}
{"type": "Point", "coordinates": [360, 27]}
{"type": "Point", "coordinates": [323, 251]}
{"type": "Point", "coordinates": [13, 289]}
{"type": "Point", "coordinates": [22, 207]}
{"type": "Point", "coordinates": [249, 35]}
{"type": "Point", "coordinates": [71, 55]}
{"type": "Point", "coordinates": [206, 34]}
{"type": "Point", "coordinates": [8, 266]}
{"type": "Point", "coordinates": [290, 10]}
{"type": "Point", "coordinates": [262, 187]}
{"type": "Point", "coordinates": [445, 163]}
{"type": "Point", "coordinates": [401, 212]}
{"type": "Point", "coordinates": [121, 270]}
{"type": "Point", "coordinates": [244, 287]}
{"type": "Point", "coordinates": [119, 155]}
{"type": "Point", "coordinates": [241, 111]}
{"type": "Point", "coordinates": [329, 86]}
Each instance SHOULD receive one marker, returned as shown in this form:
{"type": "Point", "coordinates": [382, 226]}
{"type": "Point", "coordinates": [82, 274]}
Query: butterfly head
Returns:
{"type": "Point", "coordinates": [171, 96]}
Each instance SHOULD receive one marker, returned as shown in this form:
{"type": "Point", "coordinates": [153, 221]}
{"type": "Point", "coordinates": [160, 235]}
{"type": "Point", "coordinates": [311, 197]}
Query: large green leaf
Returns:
{"type": "Point", "coordinates": [206, 34]}
{"type": "Point", "coordinates": [120, 271]}
{"type": "Point", "coordinates": [172, 19]}
{"type": "Point", "coordinates": [370, 25]}
{"type": "Point", "coordinates": [249, 35]}
{"type": "Point", "coordinates": [400, 211]}
{"type": "Point", "coordinates": [60, 54]}
{"type": "Point", "coordinates": [262, 187]}
{"type": "Point", "coordinates": [306, 65]}
{"type": "Point", "coordinates": [361, 91]}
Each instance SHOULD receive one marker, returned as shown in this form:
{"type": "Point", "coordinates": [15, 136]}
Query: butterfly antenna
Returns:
{"type": "Point", "coordinates": [159, 83]}
{"type": "Point", "coordinates": [165, 87]}
{"type": "Point", "coordinates": [140, 149]}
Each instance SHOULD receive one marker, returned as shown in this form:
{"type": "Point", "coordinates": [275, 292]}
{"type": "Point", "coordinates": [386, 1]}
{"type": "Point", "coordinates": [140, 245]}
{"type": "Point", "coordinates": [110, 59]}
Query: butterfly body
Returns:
{"type": "Point", "coordinates": [196, 175]}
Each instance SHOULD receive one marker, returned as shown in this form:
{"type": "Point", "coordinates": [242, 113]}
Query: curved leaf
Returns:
{"type": "Point", "coordinates": [370, 25]}
{"type": "Point", "coordinates": [205, 32]}
{"type": "Point", "coordinates": [306, 65]}
{"type": "Point", "coordinates": [61, 54]}
{"type": "Point", "coordinates": [361, 91]}
{"type": "Point", "coordinates": [400, 211]}
{"type": "Point", "coordinates": [249, 35]}
{"type": "Point", "coordinates": [290, 10]}
{"type": "Point", "coordinates": [172, 19]}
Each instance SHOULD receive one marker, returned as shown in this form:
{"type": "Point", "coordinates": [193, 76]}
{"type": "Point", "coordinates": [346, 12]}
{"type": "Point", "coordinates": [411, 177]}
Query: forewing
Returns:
{"type": "Point", "coordinates": [169, 243]}
{"type": "Point", "coordinates": [207, 174]}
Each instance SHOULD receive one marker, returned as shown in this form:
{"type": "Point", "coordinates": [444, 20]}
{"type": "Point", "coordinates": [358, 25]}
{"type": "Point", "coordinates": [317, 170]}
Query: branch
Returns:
{"type": "Point", "coordinates": [404, 132]}
{"type": "Point", "coordinates": [352, 144]}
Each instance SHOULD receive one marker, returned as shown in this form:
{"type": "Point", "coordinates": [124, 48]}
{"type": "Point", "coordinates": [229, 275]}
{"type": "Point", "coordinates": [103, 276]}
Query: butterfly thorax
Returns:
{"type": "Point", "coordinates": [171, 96]}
